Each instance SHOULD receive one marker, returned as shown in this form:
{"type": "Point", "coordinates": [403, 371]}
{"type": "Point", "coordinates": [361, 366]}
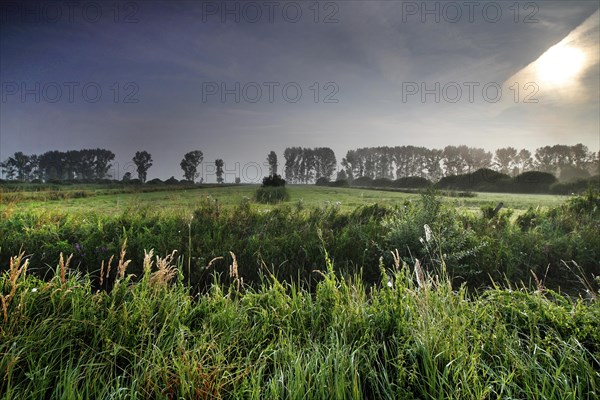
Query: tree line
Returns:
{"type": "Point", "coordinates": [434, 164]}
{"type": "Point", "coordinates": [92, 164]}
{"type": "Point", "coordinates": [308, 165]}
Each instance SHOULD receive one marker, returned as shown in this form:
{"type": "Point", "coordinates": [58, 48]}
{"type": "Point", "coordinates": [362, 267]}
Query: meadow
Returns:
{"type": "Point", "coordinates": [115, 199]}
{"type": "Point", "coordinates": [337, 294]}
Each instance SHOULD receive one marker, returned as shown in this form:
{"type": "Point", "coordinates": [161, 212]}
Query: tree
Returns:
{"type": "Point", "coordinates": [325, 162]}
{"type": "Point", "coordinates": [190, 163]}
{"type": "Point", "coordinates": [8, 168]}
{"type": "Point", "coordinates": [524, 162]}
{"type": "Point", "coordinates": [506, 158]}
{"type": "Point", "coordinates": [272, 160]}
{"type": "Point", "coordinates": [101, 163]}
{"type": "Point", "coordinates": [126, 176]}
{"type": "Point", "coordinates": [292, 157]}
{"type": "Point", "coordinates": [453, 161]}
{"type": "Point", "coordinates": [544, 159]}
{"type": "Point", "coordinates": [143, 162]}
{"type": "Point", "coordinates": [219, 164]}
{"type": "Point", "coordinates": [433, 160]}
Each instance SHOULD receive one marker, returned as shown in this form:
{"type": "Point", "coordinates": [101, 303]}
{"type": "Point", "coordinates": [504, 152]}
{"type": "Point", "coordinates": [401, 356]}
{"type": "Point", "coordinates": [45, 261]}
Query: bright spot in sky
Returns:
{"type": "Point", "coordinates": [560, 64]}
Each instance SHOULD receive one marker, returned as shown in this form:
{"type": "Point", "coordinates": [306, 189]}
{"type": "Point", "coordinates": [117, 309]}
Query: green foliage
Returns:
{"type": "Point", "coordinates": [272, 195]}
{"type": "Point", "coordinates": [398, 339]}
{"type": "Point", "coordinates": [273, 181]}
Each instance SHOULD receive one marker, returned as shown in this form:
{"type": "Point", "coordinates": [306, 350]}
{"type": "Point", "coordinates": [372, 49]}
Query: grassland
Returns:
{"type": "Point", "coordinates": [184, 199]}
{"type": "Point", "coordinates": [383, 295]}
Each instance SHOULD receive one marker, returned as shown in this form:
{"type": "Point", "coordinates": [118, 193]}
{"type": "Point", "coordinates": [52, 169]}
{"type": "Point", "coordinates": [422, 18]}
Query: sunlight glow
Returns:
{"type": "Point", "coordinates": [559, 65]}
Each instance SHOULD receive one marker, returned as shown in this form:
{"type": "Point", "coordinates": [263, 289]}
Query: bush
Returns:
{"type": "Point", "coordinates": [322, 181]}
{"type": "Point", "coordinates": [575, 187]}
{"type": "Point", "coordinates": [340, 183]}
{"type": "Point", "coordinates": [273, 181]}
{"type": "Point", "coordinates": [154, 181]}
{"type": "Point", "coordinates": [412, 182]}
{"type": "Point", "coordinates": [483, 179]}
{"type": "Point", "coordinates": [363, 181]}
{"type": "Point", "coordinates": [173, 181]}
{"type": "Point", "coordinates": [533, 182]}
{"type": "Point", "coordinates": [382, 182]}
{"type": "Point", "coordinates": [272, 194]}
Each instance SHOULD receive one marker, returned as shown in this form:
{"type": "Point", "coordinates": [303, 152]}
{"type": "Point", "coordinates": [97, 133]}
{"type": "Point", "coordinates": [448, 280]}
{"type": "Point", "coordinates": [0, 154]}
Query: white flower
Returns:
{"type": "Point", "coordinates": [34, 289]}
{"type": "Point", "coordinates": [428, 233]}
{"type": "Point", "coordinates": [389, 284]}
{"type": "Point", "coordinates": [338, 203]}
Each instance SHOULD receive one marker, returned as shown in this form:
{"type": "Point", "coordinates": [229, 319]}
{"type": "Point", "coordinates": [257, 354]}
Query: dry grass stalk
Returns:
{"type": "Point", "coordinates": [166, 271]}
{"type": "Point", "coordinates": [101, 273]}
{"type": "Point", "coordinates": [539, 284]}
{"type": "Point", "coordinates": [63, 266]}
{"type": "Point", "coordinates": [233, 271]}
{"type": "Point", "coordinates": [122, 263]}
{"type": "Point", "coordinates": [397, 259]}
{"type": "Point", "coordinates": [14, 272]}
{"type": "Point", "coordinates": [419, 274]}
{"type": "Point", "coordinates": [110, 260]}
{"type": "Point", "coordinates": [212, 261]}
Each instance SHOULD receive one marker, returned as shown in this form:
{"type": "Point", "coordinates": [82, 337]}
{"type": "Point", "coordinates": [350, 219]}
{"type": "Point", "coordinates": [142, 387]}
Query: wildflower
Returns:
{"type": "Point", "coordinates": [389, 284]}
{"type": "Point", "coordinates": [338, 203]}
{"type": "Point", "coordinates": [34, 289]}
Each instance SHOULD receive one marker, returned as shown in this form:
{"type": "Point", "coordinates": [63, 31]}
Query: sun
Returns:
{"type": "Point", "coordinates": [560, 64]}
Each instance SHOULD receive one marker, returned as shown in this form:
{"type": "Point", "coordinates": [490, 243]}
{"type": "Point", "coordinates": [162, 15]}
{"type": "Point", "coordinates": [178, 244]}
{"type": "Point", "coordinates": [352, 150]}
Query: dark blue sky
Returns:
{"type": "Point", "coordinates": [169, 74]}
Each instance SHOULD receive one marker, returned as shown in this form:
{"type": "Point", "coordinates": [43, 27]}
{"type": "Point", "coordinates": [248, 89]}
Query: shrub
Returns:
{"type": "Point", "coordinates": [273, 181]}
{"type": "Point", "coordinates": [363, 181]}
{"type": "Point", "coordinates": [154, 181]}
{"type": "Point", "coordinates": [382, 182]}
{"type": "Point", "coordinates": [340, 183]}
{"type": "Point", "coordinates": [272, 194]}
{"type": "Point", "coordinates": [173, 181]}
{"type": "Point", "coordinates": [412, 182]}
{"type": "Point", "coordinates": [322, 181]}
{"type": "Point", "coordinates": [576, 187]}
{"type": "Point", "coordinates": [533, 182]}
{"type": "Point", "coordinates": [483, 179]}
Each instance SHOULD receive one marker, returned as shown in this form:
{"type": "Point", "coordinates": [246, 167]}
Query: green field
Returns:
{"type": "Point", "coordinates": [184, 200]}
{"type": "Point", "coordinates": [337, 294]}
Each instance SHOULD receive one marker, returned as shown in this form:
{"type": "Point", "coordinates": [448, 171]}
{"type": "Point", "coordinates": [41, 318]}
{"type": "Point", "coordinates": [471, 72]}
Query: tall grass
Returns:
{"type": "Point", "coordinates": [283, 239]}
{"type": "Point", "coordinates": [410, 336]}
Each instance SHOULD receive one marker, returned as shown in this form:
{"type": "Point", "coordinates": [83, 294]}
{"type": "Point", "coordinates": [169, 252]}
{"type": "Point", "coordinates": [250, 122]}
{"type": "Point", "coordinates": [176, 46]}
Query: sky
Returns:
{"type": "Point", "coordinates": [238, 79]}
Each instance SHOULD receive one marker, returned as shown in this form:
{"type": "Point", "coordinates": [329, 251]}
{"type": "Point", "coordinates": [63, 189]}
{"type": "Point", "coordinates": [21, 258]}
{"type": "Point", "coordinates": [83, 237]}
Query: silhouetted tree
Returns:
{"type": "Point", "coordinates": [190, 163]}
{"type": "Point", "coordinates": [505, 159]}
{"type": "Point", "coordinates": [272, 161]}
{"type": "Point", "coordinates": [453, 161]}
{"type": "Point", "coordinates": [219, 164]}
{"type": "Point", "coordinates": [524, 162]}
{"type": "Point", "coordinates": [143, 162]}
